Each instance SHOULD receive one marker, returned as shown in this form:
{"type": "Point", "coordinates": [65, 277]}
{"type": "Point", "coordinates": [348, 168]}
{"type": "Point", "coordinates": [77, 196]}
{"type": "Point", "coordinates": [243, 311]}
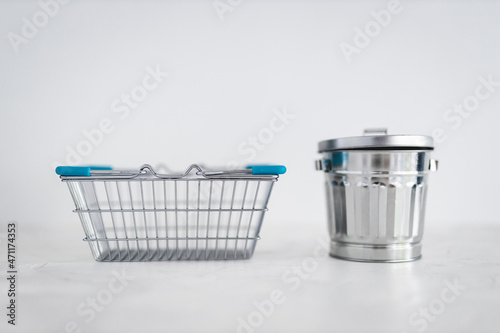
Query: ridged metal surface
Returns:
{"type": "Point", "coordinates": [171, 219]}
{"type": "Point", "coordinates": [376, 203]}
{"type": "Point", "coordinates": [364, 210]}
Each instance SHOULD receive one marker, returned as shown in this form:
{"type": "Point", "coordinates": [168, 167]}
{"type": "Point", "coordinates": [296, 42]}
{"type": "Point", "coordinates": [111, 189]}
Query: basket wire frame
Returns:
{"type": "Point", "coordinates": [150, 219]}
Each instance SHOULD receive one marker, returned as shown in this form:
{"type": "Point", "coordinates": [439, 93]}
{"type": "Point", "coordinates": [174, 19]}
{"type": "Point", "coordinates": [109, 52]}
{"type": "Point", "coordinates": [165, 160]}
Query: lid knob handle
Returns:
{"type": "Point", "coordinates": [375, 131]}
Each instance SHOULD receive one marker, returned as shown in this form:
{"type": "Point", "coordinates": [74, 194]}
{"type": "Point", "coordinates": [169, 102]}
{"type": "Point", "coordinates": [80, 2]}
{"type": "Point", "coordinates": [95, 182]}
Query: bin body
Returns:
{"type": "Point", "coordinates": [376, 198]}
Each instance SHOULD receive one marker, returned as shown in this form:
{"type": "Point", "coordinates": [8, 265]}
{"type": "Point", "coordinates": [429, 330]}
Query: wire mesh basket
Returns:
{"type": "Point", "coordinates": [145, 216]}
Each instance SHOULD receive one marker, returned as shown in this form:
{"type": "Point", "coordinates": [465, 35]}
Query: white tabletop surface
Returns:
{"type": "Point", "coordinates": [455, 287]}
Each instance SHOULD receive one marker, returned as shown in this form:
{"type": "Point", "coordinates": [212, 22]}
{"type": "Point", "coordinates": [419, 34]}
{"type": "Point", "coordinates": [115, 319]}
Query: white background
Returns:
{"type": "Point", "coordinates": [226, 79]}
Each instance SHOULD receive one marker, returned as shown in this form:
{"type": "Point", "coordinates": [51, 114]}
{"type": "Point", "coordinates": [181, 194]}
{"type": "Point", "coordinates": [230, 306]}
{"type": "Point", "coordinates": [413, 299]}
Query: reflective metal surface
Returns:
{"type": "Point", "coordinates": [145, 216]}
{"type": "Point", "coordinates": [378, 139]}
{"type": "Point", "coordinates": [376, 202]}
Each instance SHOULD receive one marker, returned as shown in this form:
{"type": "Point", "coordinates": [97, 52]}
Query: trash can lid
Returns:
{"type": "Point", "coordinates": [379, 140]}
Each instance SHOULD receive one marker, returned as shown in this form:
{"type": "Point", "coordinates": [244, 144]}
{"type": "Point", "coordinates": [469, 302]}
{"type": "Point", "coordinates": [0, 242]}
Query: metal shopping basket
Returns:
{"type": "Point", "coordinates": [143, 215]}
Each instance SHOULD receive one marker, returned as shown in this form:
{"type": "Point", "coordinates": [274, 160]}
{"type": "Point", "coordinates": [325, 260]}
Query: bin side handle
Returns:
{"type": "Point", "coordinates": [433, 165]}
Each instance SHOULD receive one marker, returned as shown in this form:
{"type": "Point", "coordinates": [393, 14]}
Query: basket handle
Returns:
{"type": "Point", "coordinates": [79, 171]}
{"type": "Point", "coordinates": [267, 169]}
{"type": "Point", "coordinates": [88, 171]}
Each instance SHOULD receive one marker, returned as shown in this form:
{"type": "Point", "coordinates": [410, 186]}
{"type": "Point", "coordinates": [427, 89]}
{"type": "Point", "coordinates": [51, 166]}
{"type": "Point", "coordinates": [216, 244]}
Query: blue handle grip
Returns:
{"type": "Point", "coordinates": [79, 171]}
{"type": "Point", "coordinates": [267, 169]}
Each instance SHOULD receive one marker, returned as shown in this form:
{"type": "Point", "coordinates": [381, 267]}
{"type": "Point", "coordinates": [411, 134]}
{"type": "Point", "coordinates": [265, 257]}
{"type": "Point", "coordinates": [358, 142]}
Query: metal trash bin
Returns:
{"type": "Point", "coordinates": [376, 187]}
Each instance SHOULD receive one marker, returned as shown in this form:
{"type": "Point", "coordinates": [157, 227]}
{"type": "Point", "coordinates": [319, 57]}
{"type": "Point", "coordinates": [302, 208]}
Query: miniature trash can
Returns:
{"type": "Point", "coordinates": [376, 187]}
